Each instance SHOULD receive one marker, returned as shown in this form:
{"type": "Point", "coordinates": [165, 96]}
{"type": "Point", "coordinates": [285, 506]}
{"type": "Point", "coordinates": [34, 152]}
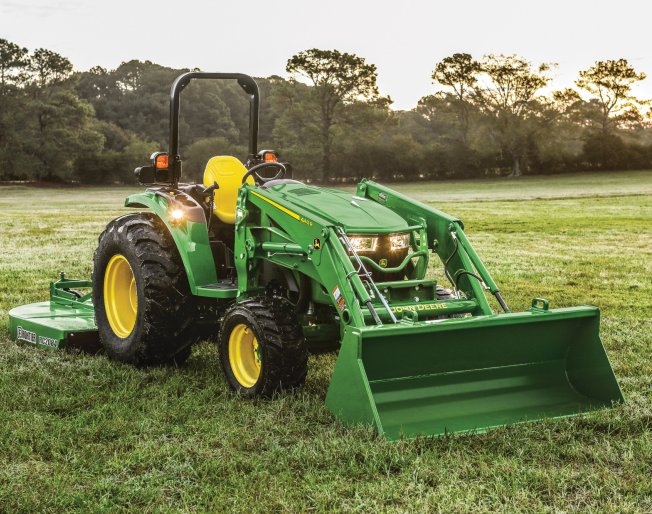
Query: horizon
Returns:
{"type": "Point", "coordinates": [493, 29]}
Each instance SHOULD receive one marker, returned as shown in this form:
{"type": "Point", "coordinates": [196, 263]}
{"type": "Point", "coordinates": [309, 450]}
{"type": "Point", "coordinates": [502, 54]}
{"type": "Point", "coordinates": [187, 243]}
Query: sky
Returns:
{"type": "Point", "coordinates": [404, 39]}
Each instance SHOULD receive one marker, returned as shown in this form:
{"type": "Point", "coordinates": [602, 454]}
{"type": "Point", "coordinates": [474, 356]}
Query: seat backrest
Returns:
{"type": "Point", "coordinates": [227, 171]}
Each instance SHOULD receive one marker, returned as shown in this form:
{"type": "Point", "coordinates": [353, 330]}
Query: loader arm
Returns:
{"type": "Point", "coordinates": [446, 238]}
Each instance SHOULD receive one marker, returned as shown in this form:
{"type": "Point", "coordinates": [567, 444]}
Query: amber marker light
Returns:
{"type": "Point", "coordinates": [161, 162]}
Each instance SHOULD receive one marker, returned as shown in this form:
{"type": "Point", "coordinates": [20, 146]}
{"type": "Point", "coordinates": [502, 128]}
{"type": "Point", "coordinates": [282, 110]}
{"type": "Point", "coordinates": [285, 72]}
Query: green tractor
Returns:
{"type": "Point", "coordinates": [275, 268]}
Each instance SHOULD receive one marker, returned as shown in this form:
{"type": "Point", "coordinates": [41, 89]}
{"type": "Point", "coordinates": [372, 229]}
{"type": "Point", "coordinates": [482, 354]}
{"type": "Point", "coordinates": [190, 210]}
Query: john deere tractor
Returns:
{"type": "Point", "coordinates": [274, 267]}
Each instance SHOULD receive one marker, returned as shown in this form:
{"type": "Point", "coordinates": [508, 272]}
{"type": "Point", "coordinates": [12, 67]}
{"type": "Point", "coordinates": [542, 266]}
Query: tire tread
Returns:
{"type": "Point", "coordinates": [164, 330]}
{"type": "Point", "coordinates": [286, 363]}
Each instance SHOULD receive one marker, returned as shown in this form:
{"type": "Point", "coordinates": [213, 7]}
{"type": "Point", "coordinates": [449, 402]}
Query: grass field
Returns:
{"type": "Point", "coordinates": [82, 433]}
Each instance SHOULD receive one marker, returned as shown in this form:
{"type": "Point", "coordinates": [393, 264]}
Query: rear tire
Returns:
{"type": "Point", "coordinates": [162, 309]}
{"type": "Point", "coordinates": [261, 347]}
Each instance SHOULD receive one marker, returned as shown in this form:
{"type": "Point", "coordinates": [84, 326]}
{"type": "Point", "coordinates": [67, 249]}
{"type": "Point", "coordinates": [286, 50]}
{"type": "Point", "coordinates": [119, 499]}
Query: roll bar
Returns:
{"type": "Point", "coordinates": [245, 81]}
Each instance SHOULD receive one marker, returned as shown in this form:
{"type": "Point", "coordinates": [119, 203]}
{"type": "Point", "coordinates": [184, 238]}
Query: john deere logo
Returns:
{"type": "Point", "coordinates": [316, 243]}
{"type": "Point", "coordinates": [25, 335]}
{"type": "Point", "coordinates": [383, 263]}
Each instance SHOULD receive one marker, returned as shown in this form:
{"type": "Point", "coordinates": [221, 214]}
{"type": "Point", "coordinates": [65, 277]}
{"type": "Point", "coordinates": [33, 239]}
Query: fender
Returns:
{"type": "Point", "coordinates": [189, 234]}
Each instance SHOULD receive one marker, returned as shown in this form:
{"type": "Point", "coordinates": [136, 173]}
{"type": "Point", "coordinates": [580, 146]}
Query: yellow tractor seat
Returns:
{"type": "Point", "coordinates": [227, 171]}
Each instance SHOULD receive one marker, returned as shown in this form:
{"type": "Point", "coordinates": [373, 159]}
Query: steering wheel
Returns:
{"type": "Point", "coordinates": [254, 170]}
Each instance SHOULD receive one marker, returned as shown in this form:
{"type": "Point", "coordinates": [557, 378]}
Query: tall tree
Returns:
{"type": "Point", "coordinates": [49, 67]}
{"type": "Point", "coordinates": [13, 63]}
{"type": "Point", "coordinates": [511, 100]}
{"type": "Point", "coordinates": [338, 78]}
{"type": "Point", "coordinates": [13, 60]}
{"type": "Point", "coordinates": [459, 72]}
{"type": "Point", "coordinates": [297, 128]}
{"type": "Point", "coordinates": [610, 83]}
{"type": "Point", "coordinates": [52, 126]}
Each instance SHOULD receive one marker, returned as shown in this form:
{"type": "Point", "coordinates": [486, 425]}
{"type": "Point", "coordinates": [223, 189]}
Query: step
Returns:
{"type": "Point", "coordinates": [221, 289]}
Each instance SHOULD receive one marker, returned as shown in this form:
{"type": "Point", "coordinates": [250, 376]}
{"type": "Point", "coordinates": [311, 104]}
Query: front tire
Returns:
{"type": "Point", "coordinates": [261, 346]}
{"type": "Point", "coordinates": [143, 306]}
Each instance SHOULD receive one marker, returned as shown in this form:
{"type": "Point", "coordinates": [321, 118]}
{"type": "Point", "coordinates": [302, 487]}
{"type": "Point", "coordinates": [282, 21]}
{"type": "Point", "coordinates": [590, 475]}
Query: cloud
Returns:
{"type": "Point", "coordinates": [39, 8]}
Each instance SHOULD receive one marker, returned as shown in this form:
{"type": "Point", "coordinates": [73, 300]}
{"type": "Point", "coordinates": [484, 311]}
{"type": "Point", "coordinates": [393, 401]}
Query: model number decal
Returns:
{"type": "Point", "coordinates": [48, 341]}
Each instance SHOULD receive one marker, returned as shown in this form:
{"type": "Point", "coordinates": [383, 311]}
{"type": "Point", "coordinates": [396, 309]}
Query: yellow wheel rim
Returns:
{"type": "Point", "coordinates": [120, 296]}
{"type": "Point", "coordinates": [244, 355]}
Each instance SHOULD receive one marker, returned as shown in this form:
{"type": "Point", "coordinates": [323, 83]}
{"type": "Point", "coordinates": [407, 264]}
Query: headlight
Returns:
{"type": "Point", "coordinates": [399, 241]}
{"type": "Point", "coordinates": [364, 244]}
{"type": "Point", "coordinates": [176, 215]}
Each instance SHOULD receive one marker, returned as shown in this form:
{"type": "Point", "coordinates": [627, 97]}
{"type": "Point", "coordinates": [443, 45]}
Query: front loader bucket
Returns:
{"type": "Point", "coordinates": [471, 374]}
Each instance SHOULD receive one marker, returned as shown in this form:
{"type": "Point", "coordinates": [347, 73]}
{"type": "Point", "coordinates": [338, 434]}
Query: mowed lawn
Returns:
{"type": "Point", "coordinates": [82, 433]}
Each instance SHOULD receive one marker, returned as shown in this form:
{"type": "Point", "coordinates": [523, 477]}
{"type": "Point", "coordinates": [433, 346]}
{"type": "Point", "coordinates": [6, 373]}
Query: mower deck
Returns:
{"type": "Point", "coordinates": [66, 321]}
{"type": "Point", "coordinates": [48, 325]}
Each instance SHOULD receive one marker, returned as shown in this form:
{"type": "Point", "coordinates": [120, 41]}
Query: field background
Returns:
{"type": "Point", "coordinates": [81, 433]}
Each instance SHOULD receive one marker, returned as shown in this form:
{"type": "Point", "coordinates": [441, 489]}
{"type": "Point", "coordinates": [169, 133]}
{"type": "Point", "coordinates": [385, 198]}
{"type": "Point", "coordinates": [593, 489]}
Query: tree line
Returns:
{"type": "Point", "coordinates": [487, 117]}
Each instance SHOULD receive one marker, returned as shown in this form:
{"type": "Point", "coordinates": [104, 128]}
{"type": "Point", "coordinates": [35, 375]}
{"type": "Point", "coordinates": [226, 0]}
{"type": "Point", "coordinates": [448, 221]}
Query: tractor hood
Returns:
{"type": "Point", "coordinates": [341, 207]}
